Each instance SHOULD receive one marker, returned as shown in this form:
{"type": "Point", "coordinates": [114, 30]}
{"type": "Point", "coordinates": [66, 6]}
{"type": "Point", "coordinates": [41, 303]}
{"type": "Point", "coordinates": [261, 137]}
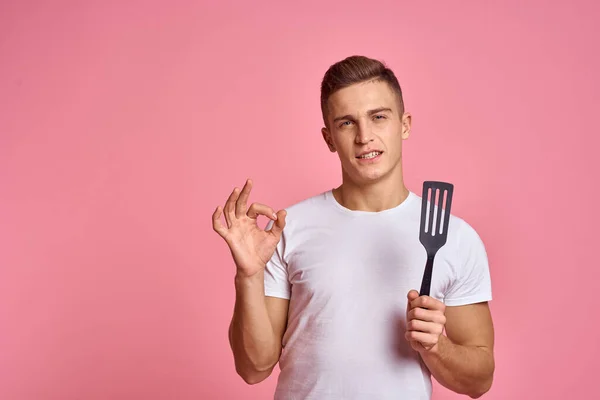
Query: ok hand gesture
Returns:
{"type": "Point", "coordinates": [251, 246]}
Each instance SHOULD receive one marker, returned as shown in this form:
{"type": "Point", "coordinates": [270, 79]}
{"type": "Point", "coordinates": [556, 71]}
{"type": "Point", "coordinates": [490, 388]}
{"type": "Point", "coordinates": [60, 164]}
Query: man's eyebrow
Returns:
{"type": "Point", "coordinates": [370, 112]}
{"type": "Point", "coordinates": [378, 110]}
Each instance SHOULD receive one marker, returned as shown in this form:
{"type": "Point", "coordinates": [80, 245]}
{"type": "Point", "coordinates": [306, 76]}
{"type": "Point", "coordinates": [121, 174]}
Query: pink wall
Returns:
{"type": "Point", "coordinates": [122, 126]}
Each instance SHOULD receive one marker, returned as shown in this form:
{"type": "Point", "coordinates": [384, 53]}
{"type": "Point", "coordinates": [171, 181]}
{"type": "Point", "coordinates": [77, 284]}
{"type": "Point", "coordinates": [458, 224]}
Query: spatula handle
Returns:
{"type": "Point", "coordinates": [426, 282]}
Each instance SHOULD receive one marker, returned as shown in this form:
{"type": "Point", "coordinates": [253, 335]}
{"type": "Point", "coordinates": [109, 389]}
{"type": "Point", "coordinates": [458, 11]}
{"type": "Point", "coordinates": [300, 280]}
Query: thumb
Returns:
{"type": "Point", "coordinates": [412, 295]}
{"type": "Point", "coordinates": [279, 223]}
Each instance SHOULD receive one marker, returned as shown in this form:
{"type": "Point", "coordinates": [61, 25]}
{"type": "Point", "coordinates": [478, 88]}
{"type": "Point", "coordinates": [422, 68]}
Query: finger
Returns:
{"type": "Point", "coordinates": [425, 339]}
{"type": "Point", "coordinates": [423, 314]}
{"type": "Point", "coordinates": [427, 302]}
{"type": "Point", "coordinates": [424, 326]}
{"type": "Point", "coordinates": [229, 209]}
{"type": "Point", "coordinates": [241, 204]}
{"type": "Point", "coordinates": [412, 295]}
{"type": "Point", "coordinates": [217, 224]}
{"type": "Point", "coordinates": [257, 209]}
{"type": "Point", "coordinates": [279, 224]}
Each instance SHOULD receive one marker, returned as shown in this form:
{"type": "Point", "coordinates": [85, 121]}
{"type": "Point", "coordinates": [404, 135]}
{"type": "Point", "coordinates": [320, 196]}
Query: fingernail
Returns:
{"type": "Point", "coordinates": [274, 215]}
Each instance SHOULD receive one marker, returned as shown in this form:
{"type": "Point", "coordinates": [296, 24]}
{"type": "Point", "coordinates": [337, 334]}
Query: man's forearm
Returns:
{"type": "Point", "coordinates": [251, 333]}
{"type": "Point", "coordinates": [463, 369]}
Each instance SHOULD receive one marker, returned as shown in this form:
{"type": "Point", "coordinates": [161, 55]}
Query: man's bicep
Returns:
{"type": "Point", "coordinates": [470, 325]}
{"type": "Point", "coordinates": [277, 308]}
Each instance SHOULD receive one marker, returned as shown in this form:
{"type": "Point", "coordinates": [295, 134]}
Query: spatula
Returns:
{"type": "Point", "coordinates": [437, 200]}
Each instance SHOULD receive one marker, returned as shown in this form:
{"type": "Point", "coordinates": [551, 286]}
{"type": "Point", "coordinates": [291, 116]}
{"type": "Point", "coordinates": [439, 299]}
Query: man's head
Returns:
{"type": "Point", "coordinates": [363, 111]}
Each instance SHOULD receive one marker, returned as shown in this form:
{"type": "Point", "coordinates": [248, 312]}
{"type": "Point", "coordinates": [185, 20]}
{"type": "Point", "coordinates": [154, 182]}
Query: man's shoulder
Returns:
{"type": "Point", "coordinates": [306, 205]}
{"type": "Point", "coordinates": [465, 234]}
{"type": "Point", "coordinates": [313, 210]}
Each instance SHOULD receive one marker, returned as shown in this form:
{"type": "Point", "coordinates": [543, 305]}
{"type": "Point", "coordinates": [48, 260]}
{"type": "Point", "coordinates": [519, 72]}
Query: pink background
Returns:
{"type": "Point", "coordinates": [124, 124]}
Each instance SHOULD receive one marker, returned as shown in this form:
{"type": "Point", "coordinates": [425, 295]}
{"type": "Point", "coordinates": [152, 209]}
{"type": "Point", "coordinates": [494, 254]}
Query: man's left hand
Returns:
{"type": "Point", "coordinates": [425, 321]}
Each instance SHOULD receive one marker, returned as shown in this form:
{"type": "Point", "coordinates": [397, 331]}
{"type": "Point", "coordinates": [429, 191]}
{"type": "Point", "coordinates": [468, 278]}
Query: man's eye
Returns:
{"type": "Point", "coordinates": [345, 123]}
{"type": "Point", "coordinates": [380, 117]}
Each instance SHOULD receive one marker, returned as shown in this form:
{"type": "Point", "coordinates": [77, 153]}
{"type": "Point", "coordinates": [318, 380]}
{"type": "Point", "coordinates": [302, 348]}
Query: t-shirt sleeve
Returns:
{"type": "Point", "coordinates": [472, 283]}
{"type": "Point", "coordinates": [276, 274]}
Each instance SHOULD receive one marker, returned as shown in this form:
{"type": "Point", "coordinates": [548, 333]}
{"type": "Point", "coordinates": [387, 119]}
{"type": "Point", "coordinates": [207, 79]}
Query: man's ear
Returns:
{"type": "Point", "coordinates": [327, 138]}
{"type": "Point", "coordinates": [406, 125]}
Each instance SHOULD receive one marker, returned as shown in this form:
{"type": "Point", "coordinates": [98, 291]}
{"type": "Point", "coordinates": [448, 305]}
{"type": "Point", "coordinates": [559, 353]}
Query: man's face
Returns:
{"type": "Point", "coordinates": [367, 130]}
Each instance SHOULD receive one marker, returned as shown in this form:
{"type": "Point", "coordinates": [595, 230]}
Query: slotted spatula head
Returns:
{"type": "Point", "coordinates": [435, 218]}
{"type": "Point", "coordinates": [435, 215]}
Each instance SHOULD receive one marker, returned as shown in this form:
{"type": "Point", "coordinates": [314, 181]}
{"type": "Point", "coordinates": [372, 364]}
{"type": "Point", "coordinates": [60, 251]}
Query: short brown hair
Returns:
{"type": "Point", "coordinates": [356, 69]}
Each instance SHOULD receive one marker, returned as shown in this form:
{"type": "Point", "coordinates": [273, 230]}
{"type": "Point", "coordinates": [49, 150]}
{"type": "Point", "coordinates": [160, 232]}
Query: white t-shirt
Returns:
{"type": "Point", "coordinates": [347, 274]}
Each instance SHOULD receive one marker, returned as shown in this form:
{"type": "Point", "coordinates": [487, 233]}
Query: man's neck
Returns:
{"type": "Point", "coordinates": [384, 194]}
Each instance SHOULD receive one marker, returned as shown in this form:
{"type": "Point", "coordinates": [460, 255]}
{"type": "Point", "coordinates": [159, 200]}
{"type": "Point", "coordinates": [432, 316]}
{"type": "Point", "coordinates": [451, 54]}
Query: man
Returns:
{"type": "Point", "coordinates": [327, 289]}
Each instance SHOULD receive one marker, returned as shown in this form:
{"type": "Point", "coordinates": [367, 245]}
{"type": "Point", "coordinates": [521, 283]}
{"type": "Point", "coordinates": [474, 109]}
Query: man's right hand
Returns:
{"type": "Point", "coordinates": [251, 246]}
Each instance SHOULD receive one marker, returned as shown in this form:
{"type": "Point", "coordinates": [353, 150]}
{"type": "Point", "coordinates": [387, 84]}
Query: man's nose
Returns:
{"type": "Point", "coordinates": [364, 134]}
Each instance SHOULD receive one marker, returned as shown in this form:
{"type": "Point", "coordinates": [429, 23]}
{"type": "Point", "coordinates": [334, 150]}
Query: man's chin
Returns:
{"type": "Point", "coordinates": [367, 177]}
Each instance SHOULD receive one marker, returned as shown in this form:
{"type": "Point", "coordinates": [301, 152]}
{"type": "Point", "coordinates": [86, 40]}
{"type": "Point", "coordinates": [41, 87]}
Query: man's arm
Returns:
{"type": "Point", "coordinates": [463, 359]}
{"type": "Point", "coordinates": [258, 322]}
{"type": "Point", "coordinates": [256, 329]}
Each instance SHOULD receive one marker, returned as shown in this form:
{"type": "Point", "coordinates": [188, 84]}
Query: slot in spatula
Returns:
{"type": "Point", "coordinates": [435, 218]}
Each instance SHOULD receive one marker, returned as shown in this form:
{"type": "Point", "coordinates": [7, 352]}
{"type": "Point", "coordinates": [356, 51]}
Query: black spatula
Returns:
{"type": "Point", "coordinates": [437, 200]}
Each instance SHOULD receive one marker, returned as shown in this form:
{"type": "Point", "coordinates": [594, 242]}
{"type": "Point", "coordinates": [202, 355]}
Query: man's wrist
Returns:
{"type": "Point", "coordinates": [243, 280]}
{"type": "Point", "coordinates": [437, 349]}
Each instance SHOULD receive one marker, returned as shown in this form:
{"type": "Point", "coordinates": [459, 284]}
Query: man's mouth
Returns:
{"type": "Point", "coordinates": [369, 155]}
